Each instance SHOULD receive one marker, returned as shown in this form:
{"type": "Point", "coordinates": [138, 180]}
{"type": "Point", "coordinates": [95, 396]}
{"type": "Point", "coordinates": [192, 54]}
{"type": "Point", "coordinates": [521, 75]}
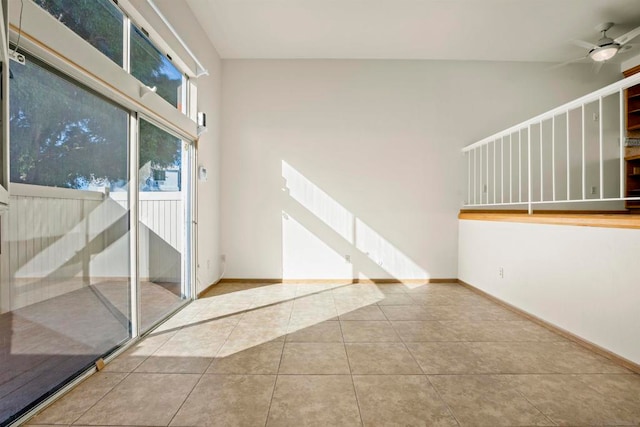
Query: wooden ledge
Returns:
{"type": "Point", "coordinates": [575, 218]}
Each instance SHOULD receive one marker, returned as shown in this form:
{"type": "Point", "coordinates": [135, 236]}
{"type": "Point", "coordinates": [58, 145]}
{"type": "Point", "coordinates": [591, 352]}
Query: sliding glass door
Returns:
{"type": "Point", "coordinates": [68, 292]}
{"type": "Point", "coordinates": [65, 278]}
{"type": "Point", "coordinates": [163, 227]}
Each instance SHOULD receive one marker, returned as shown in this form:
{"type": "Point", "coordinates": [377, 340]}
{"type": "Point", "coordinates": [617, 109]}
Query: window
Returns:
{"type": "Point", "coordinates": [100, 22]}
{"type": "Point", "coordinates": [160, 159]}
{"type": "Point", "coordinates": [153, 69]}
{"type": "Point", "coordinates": [97, 21]}
{"type": "Point", "coordinates": [63, 135]}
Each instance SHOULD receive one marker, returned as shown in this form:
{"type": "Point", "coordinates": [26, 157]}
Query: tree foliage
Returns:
{"type": "Point", "coordinates": [63, 135]}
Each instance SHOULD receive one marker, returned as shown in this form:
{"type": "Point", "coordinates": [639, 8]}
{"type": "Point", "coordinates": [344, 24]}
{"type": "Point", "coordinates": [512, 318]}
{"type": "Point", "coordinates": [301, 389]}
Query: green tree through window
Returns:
{"type": "Point", "coordinates": [63, 135]}
{"type": "Point", "coordinates": [97, 21]}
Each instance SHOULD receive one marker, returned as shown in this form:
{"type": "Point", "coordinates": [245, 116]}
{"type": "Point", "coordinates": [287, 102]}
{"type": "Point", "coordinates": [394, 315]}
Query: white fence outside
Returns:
{"type": "Point", "coordinates": [571, 154]}
{"type": "Point", "coordinates": [57, 240]}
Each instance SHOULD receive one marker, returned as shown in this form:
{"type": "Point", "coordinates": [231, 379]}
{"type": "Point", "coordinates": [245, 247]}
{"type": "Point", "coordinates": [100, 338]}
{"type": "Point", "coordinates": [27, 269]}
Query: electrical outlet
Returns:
{"type": "Point", "coordinates": [501, 272]}
{"type": "Point", "coordinates": [595, 117]}
{"type": "Point", "coordinates": [594, 190]}
{"type": "Point", "coordinates": [484, 189]}
{"type": "Point", "coordinates": [347, 259]}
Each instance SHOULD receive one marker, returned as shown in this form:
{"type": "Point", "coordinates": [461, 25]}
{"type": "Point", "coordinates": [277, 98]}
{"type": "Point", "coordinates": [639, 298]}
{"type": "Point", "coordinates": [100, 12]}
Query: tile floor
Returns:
{"type": "Point", "coordinates": [43, 344]}
{"type": "Point", "coordinates": [342, 355]}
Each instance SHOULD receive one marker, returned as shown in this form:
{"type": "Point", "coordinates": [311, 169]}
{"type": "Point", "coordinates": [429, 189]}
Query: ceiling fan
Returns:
{"type": "Point", "coordinates": [605, 48]}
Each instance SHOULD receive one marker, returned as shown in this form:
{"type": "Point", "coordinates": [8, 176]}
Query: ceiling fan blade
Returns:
{"type": "Point", "coordinates": [584, 44]}
{"type": "Point", "coordinates": [626, 38]}
{"type": "Point", "coordinates": [562, 64]}
{"type": "Point", "coordinates": [597, 66]}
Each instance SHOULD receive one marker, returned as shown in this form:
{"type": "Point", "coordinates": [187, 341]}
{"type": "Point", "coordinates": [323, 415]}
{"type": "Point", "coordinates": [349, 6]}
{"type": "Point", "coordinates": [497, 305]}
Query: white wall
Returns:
{"type": "Point", "coordinates": [209, 101]}
{"type": "Point", "coordinates": [368, 155]}
{"type": "Point", "coordinates": [582, 279]}
{"type": "Point", "coordinates": [630, 63]}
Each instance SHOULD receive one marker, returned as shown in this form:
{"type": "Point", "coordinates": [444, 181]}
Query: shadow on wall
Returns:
{"type": "Point", "coordinates": [322, 239]}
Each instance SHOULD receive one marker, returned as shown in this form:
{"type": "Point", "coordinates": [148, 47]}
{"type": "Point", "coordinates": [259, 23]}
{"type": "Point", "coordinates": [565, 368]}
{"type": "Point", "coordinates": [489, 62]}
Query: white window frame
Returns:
{"type": "Point", "coordinates": [4, 127]}
{"type": "Point", "coordinates": [51, 41]}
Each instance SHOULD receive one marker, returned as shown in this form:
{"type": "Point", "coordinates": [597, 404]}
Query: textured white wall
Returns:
{"type": "Point", "coordinates": [327, 158]}
{"type": "Point", "coordinates": [582, 279]}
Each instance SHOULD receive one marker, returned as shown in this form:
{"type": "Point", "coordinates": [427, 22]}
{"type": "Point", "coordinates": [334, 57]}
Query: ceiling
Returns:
{"type": "Point", "coordinates": [490, 30]}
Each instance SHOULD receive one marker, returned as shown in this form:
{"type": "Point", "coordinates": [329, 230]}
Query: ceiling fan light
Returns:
{"type": "Point", "coordinates": [604, 53]}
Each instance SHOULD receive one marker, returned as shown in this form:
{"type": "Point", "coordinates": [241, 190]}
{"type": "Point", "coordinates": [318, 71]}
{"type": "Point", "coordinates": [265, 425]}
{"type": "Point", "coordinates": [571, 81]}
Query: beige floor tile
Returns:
{"type": "Point", "coordinates": [408, 312]}
{"type": "Point", "coordinates": [142, 399]}
{"type": "Point", "coordinates": [488, 330]}
{"type": "Point", "coordinates": [314, 358]}
{"type": "Point", "coordinates": [211, 330]}
{"type": "Point", "coordinates": [449, 298]}
{"type": "Point", "coordinates": [576, 400]}
{"type": "Point", "coordinates": [400, 400]}
{"type": "Point", "coordinates": [381, 358]}
{"type": "Point", "coordinates": [433, 298]}
{"type": "Point", "coordinates": [269, 296]}
{"type": "Point", "coordinates": [138, 353]}
{"type": "Point", "coordinates": [541, 357]}
{"type": "Point", "coordinates": [186, 346]}
{"type": "Point", "coordinates": [315, 305]}
{"type": "Point", "coordinates": [247, 335]}
{"type": "Point", "coordinates": [368, 331]}
{"type": "Point", "coordinates": [487, 400]}
{"type": "Point", "coordinates": [300, 319]}
{"type": "Point", "coordinates": [261, 359]}
{"type": "Point", "coordinates": [274, 315]}
{"type": "Point", "coordinates": [392, 288]}
{"type": "Point", "coordinates": [321, 332]}
{"type": "Point", "coordinates": [79, 400]}
{"type": "Point", "coordinates": [220, 311]}
{"type": "Point", "coordinates": [227, 400]}
{"type": "Point", "coordinates": [357, 290]}
{"type": "Point", "coordinates": [314, 301]}
{"type": "Point", "coordinates": [304, 289]}
{"type": "Point", "coordinates": [370, 312]}
{"type": "Point", "coordinates": [175, 364]}
{"type": "Point", "coordinates": [314, 400]}
{"type": "Point", "coordinates": [450, 358]}
{"type": "Point", "coordinates": [420, 331]}
{"type": "Point", "coordinates": [396, 299]}
{"type": "Point", "coordinates": [624, 389]}
{"type": "Point", "coordinates": [438, 287]}
{"type": "Point", "coordinates": [348, 304]}
{"type": "Point", "coordinates": [475, 312]}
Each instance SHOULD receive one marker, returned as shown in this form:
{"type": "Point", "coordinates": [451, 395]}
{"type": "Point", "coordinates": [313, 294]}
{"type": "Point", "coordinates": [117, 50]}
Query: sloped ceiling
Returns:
{"type": "Point", "coordinates": [502, 30]}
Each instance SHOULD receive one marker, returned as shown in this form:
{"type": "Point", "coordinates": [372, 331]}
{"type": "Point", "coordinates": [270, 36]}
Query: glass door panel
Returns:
{"type": "Point", "coordinates": [162, 227]}
{"type": "Point", "coordinates": [65, 288]}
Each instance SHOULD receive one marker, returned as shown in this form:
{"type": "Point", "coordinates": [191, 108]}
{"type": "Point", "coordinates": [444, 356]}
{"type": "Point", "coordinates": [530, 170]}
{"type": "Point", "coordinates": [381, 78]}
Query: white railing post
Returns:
{"type": "Point", "coordinates": [510, 168]}
{"type": "Point", "coordinates": [502, 170]}
{"type": "Point", "coordinates": [553, 158]}
{"type": "Point", "coordinates": [468, 155]}
{"type": "Point", "coordinates": [584, 168]}
{"type": "Point", "coordinates": [622, 141]}
{"type": "Point", "coordinates": [541, 167]}
{"type": "Point", "coordinates": [568, 158]}
{"type": "Point", "coordinates": [475, 184]}
{"type": "Point", "coordinates": [494, 172]}
{"type": "Point", "coordinates": [520, 166]}
{"type": "Point", "coordinates": [486, 173]}
{"type": "Point", "coordinates": [601, 136]}
{"type": "Point", "coordinates": [530, 209]}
